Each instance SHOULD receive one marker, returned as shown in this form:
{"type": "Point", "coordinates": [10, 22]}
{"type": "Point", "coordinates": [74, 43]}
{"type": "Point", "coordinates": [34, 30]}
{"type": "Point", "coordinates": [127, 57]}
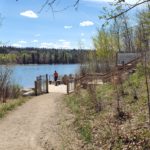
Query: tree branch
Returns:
{"type": "Point", "coordinates": [52, 2]}
{"type": "Point", "coordinates": [76, 3]}
{"type": "Point", "coordinates": [125, 11]}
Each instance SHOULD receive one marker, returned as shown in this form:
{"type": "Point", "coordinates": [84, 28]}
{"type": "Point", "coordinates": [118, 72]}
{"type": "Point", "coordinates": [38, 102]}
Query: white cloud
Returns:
{"type": "Point", "coordinates": [16, 45]}
{"type": "Point", "coordinates": [29, 13]}
{"type": "Point", "coordinates": [34, 41]}
{"type": "Point", "coordinates": [63, 44]}
{"type": "Point", "coordinates": [66, 44]}
{"type": "Point", "coordinates": [83, 40]}
{"type": "Point", "coordinates": [62, 40]}
{"type": "Point", "coordinates": [67, 27]}
{"type": "Point", "coordinates": [22, 42]}
{"type": "Point", "coordinates": [19, 43]}
{"type": "Point", "coordinates": [47, 45]}
{"type": "Point", "coordinates": [37, 35]}
{"type": "Point", "coordinates": [127, 1]}
{"type": "Point", "coordinates": [86, 23]}
{"type": "Point", "coordinates": [82, 34]}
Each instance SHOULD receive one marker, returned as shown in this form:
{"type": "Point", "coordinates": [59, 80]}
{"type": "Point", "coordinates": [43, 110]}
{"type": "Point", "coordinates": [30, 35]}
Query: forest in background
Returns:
{"type": "Point", "coordinates": [13, 55]}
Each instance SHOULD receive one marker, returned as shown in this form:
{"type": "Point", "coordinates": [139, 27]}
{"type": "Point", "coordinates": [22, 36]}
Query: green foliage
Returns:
{"type": "Point", "coordinates": [80, 106]}
{"type": "Point", "coordinates": [104, 44]}
{"type": "Point", "coordinates": [73, 104]}
{"type": "Point", "coordinates": [7, 58]}
{"type": "Point", "coordinates": [127, 37]}
{"type": "Point", "coordinates": [103, 129]}
{"type": "Point", "coordinates": [136, 78]}
{"type": "Point", "coordinates": [11, 55]}
{"type": "Point", "coordinates": [103, 58]}
{"type": "Point", "coordinates": [105, 89]}
{"type": "Point", "coordinates": [141, 69]}
{"type": "Point", "coordinates": [85, 131]}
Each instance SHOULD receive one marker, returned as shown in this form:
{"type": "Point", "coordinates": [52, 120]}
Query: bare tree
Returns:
{"type": "Point", "coordinates": [143, 39]}
{"type": "Point", "coordinates": [112, 14]}
{"type": "Point", "coordinates": [127, 34]}
{"type": "Point", "coordinates": [123, 8]}
{"type": "Point", "coordinates": [4, 82]}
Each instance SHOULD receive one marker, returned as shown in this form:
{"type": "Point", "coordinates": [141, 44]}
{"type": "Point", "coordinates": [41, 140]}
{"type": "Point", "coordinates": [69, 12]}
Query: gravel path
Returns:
{"type": "Point", "coordinates": [32, 126]}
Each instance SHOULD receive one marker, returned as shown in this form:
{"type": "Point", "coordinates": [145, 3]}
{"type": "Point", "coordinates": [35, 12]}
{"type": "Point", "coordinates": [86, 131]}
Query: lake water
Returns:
{"type": "Point", "coordinates": [25, 75]}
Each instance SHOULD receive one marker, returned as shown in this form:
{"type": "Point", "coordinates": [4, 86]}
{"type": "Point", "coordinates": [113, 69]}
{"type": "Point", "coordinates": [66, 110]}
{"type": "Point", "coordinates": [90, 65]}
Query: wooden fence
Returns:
{"type": "Point", "coordinates": [41, 84]}
{"type": "Point", "coordinates": [99, 78]}
{"type": "Point", "coordinates": [70, 86]}
{"type": "Point", "coordinates": [75, 82]}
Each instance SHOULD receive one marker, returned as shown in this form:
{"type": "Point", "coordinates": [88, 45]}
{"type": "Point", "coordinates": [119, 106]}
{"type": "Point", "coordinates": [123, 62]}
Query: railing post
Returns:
{"type": "Point", "coordinates": [35, 89]}
{"type": "Point", "coordinates": [39, 84]}
{"type": "Point", "coordinates": [46, 83]}
{"type": "Point", "coordinates": [68, 87]}
{"type": "Point", "coordinates": [74, 84]}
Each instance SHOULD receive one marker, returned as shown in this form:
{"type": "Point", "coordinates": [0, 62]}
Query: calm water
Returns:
{"type": "Point", "coordinates": [25, 75]}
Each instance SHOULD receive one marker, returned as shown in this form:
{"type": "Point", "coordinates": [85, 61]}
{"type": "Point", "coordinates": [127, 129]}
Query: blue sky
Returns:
{"type": "Point", "coordinates": [24, 26]}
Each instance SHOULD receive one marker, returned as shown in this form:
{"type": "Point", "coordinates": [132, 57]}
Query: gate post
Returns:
{"type": "Point", "coordinates": [75, 84]}
{"type": "Point", "coordinates": [35, 89]}
{"type": "Point", "coordinates": [68, 87]}
{"type": "Point", "coordinates": [47, 83]}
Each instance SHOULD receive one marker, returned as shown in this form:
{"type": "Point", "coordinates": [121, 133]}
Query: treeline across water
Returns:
{"type": "Point", "coordinates": [13, 55]}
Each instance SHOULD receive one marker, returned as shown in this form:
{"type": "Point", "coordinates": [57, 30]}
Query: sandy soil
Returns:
{"type": "Point", "coordinates": [33, 126]}
{"type": "Point", "coordinates": [58, 89]}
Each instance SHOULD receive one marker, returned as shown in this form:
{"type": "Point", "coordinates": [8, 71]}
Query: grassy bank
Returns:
{"type": "Point", "coordinates": [10, 105]}
{"type": "Point", "coordinates": [103, 127]}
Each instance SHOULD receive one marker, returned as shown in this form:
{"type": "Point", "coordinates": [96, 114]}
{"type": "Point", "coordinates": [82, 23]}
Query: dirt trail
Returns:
{"type": "Point", "coordinates": [33, 126]}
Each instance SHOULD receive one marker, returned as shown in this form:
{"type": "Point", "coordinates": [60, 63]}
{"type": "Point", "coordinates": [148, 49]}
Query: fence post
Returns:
{"type": "Point", "coordinates": [74, 84]}
{"type": "Point", "coordinates": [39, 83]}
{"type": "Point", "coordinates": [4, 95]}
{"type": "Point", "coordinates": [35, 89]}
{"type": "Point", "coordinates": [46, 83]}
{"type": "Point", "coordinates": [68, 87]}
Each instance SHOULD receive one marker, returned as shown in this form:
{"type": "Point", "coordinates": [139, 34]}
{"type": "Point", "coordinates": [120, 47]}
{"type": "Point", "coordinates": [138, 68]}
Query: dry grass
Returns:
{"type": "Point", "coordinates": [10, 105]}
{"type": "Point", "coordinates": [103, 129]}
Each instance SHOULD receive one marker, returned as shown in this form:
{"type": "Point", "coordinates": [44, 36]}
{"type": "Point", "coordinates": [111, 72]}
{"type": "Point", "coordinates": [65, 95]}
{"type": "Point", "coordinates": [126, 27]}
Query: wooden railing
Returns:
{"type": "Point", "coordinates": [41, 84]}
{"type": "Point", "coordinates": [70, 86]}
{"type": "Point", "coordinates": [107, 77]}
{"type": "Point", "coordinates": [74, 82]}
